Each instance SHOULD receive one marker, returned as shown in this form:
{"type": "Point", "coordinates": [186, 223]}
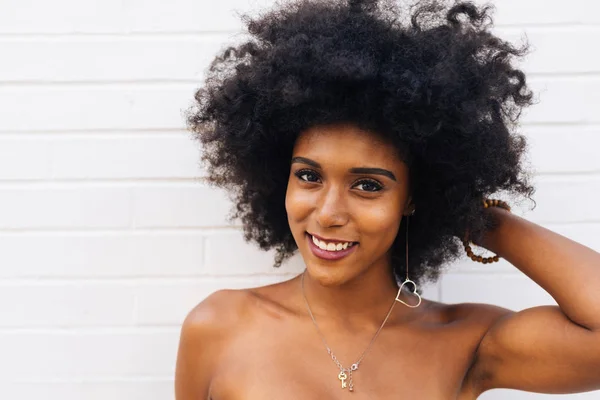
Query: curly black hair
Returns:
{"type": "Point", "coordinates": [429, 76]}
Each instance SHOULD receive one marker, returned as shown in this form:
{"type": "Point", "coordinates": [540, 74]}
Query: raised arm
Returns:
{"type": "Point", "coordinates": [546, 349]}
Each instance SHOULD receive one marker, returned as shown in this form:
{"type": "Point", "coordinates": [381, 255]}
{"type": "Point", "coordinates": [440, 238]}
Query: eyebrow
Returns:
{"type": "Point", "coordinates": [358, 170]}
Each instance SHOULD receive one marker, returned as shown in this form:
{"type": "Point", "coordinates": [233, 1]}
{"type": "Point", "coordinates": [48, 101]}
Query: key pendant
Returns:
{"type": "Point", "coordinates": [342, 377]}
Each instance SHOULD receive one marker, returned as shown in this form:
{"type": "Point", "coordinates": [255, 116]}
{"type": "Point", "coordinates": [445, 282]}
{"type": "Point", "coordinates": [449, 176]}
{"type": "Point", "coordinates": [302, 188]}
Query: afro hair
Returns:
{"type": "Point", "coordinates": [429, 76]}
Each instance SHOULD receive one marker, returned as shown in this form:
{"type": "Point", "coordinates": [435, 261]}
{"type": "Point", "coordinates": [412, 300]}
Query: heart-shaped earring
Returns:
{"type": "Point", "coordinates": [414, 292]}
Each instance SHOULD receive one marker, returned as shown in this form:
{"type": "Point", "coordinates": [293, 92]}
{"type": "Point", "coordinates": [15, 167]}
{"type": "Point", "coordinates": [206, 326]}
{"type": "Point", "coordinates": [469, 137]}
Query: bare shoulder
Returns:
{"type": "Point", "coordinates": [226, 311]}
{"type": "Point", "coordinates": [482, 314]}
{"type": "Point", "coordinates": [217, 312]}
{"type": "Point", "coordinates": [204, 334]}
{"type": "Point", "coordinates": [474, 319]}
{"type": "Point", "coordinates": [478, 316]}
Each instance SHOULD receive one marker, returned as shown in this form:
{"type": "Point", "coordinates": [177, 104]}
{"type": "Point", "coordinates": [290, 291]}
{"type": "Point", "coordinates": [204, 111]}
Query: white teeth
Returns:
{"type": "Point", "coordinates": [330, 246]}
{"type": "Point", "coordinates": [315, 240]}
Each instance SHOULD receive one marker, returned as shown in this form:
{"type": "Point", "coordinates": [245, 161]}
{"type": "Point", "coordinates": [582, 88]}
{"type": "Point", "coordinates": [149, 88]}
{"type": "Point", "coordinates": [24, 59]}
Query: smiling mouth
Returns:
{"type": "Point", "coordinates": [332, 246]}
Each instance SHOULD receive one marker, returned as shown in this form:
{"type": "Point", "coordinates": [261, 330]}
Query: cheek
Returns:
{"type": "Point", "coordinates": [297, 203]}
{"type": "Point", "coordinates": [380, 222]}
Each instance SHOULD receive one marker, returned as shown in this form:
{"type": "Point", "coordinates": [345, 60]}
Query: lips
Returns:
{"type": "Point", "coordinates": [330, 255]}
{"type": "Point", "coordinates": [331, 240]}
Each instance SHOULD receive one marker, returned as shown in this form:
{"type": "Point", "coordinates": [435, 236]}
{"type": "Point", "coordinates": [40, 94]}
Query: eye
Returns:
{"type": "Point", "coordinates": [307, 175]}
{"type": "Point", "coordinates": [369, 185]}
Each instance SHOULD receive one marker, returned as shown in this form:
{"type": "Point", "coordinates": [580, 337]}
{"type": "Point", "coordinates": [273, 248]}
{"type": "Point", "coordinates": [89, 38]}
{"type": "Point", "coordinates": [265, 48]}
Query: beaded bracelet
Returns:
{"type": "Point", "coordinates": [485, 260]}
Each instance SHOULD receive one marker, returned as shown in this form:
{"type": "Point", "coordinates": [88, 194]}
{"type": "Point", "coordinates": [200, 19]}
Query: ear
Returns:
{"type": "Point", "coordinates": [410, 207]}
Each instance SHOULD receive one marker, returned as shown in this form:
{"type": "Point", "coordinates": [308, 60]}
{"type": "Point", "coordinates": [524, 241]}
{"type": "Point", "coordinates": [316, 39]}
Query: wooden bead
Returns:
{"type": "Point", "coordinates": [466, 243]}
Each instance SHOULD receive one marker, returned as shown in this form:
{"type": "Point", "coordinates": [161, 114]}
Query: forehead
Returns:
{"type": "Point", "coordinates": [346, 142]}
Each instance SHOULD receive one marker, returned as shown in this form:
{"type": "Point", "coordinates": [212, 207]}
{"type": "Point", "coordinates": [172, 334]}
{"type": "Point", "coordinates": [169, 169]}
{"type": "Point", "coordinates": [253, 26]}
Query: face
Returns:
{"type": "Point", "coordinates": [346, 194]}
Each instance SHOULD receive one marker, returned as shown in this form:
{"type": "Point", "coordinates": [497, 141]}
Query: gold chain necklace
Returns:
{"type": "Point", "coordinates": [345, 373]}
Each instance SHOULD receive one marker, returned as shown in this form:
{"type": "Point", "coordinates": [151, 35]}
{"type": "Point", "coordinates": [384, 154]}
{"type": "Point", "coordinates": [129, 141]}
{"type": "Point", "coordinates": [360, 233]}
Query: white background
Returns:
{"type": "Point", "coordinates": [108, 236]}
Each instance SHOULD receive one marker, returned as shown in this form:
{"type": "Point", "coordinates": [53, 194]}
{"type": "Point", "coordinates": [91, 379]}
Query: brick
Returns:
{"type": "Point", "coordinates": [466, 265]}
{"type": "Point", "coordinates": [190, 15]}
{"type": "Point", "coordinates": [114, 16]}
{"type": "Point", "coordinates": [95, 59]}
{"type": "Point", "coordinates": [579, 156]}
{"type": "Point", "coordinates": [553, 49]}
{"type": "Point", "coordinates": [116, 266]}
{"type": "Point", "coordinates": [556, 50]}
{"type": "Point", "coordinates": [32, 16]}
{"type": "Point", "coordinates": [66, 305]}
{"type": "Point", "coordinates": [33, 108]}
{"type": "Point", "coordinates": [149, 156]}
{"type": "Point", "coordinates": [181, 206]}
{"type": "Point", "coordinates": [64, 207]}
{"type": "Point", "coordinates": [565, 199]}
{"type": "Point", "coordinates": [228, 253]}
{"type": "Point", "coordinates": [24, 158]}
{"type": "Point", "coordinates": [140, 389]}
{"type": "Point", "coordinates": [100, 255]}
{"type": "Point", "coordinates": [430, 291]}
{"type": "Point", "coordinates": [587, 234]}
{"type": "Point", "coordinates": [293, 267]}
{"type": "Point", "coordinates": [84, 355]}
{"type": "Point", "coordinates": [132, 107]}
{"type": "Point", "coordinates": [517, 12]}
{"type": "Point", "coordinates": [513, 291]}
{"type": "Point", "coordinates": [166, 303]}
{"type": "Point", "coordinates": [183, 58]}
{"type": "Point", "coordinates": [564, 100]}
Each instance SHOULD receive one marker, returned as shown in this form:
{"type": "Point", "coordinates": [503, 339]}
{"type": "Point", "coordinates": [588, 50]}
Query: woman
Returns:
{"type": "Point", "coordinates": [369, 138]}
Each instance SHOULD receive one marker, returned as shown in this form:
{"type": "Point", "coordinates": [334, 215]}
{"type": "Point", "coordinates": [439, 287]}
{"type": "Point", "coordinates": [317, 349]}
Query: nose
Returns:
{"type": "Point", "coordinates": [332, 208]}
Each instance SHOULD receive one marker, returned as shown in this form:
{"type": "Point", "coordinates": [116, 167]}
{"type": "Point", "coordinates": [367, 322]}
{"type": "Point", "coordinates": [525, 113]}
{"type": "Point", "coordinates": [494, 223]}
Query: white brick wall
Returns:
{"type": "Point", "coordinates": [107, 238]}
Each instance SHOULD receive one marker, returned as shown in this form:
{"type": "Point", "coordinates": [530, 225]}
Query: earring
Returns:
{"type": "Point", "coordinates": [408, 280]}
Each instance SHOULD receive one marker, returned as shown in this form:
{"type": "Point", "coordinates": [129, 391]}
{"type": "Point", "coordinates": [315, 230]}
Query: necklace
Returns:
{"type": "Point", "coordinates": [345, 373]}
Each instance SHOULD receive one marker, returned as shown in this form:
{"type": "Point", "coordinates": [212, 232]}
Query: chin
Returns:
{"type": "Point", "coordinates": [328, 275]}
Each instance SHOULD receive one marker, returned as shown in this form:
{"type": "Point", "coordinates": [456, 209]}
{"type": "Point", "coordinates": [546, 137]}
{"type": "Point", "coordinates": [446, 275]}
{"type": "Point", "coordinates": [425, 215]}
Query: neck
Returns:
{"type": "Point", "coordinates": [361, 301]}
